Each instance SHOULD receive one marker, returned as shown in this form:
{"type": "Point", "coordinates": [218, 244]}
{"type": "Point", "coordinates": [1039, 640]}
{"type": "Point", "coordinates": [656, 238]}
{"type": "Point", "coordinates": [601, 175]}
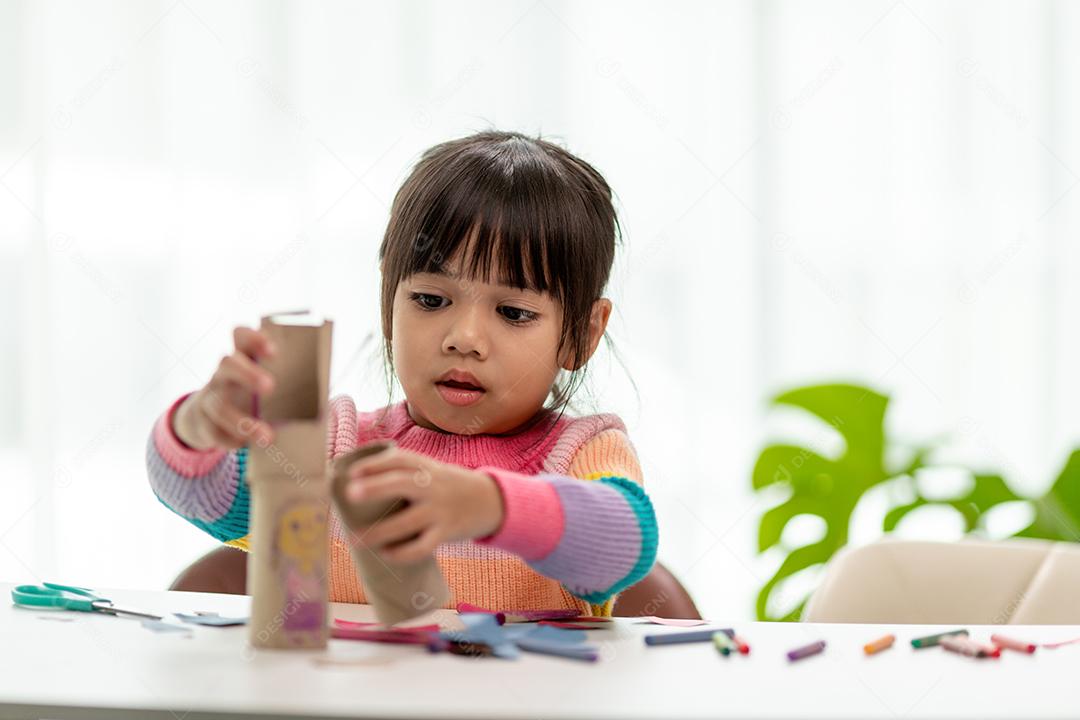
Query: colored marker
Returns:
{"type": "Point", "coordinates": [1018, 646]}
{"type": "Point", "coordinates": [723, 643]}
{"type": "Point", "coordinates": [683, 637]}
{"type": "Point", "coordinates": [806, 651]}
{"type": "Point", "coordinates": [743, 648]}
{"type": "Point", "coordinates": [932, 640]}
{"type": "Point", "coordinates": [967, 646]}
{"type": "Point", "coordinates": [880, 644]}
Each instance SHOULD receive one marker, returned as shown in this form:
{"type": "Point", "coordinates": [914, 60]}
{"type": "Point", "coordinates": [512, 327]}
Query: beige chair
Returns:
{"type": "Point", "coordinates": [1017, 581]}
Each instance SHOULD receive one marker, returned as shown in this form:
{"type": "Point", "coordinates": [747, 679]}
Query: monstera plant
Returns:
{"type": "Point", "coordinates": [830, 487]}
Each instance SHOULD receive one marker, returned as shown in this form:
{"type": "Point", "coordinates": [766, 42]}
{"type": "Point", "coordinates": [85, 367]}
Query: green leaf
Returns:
{"type": "Point", "coordinates": [774, 521]}
{"type": "Point", "coordinates": [856, 412]}
{"type": "Point", "coordinates": [894, 516]}
{"type": "Point", "coordinates": [986, 492]}
{"type": "Point", "coordinates": [1057, 513]}
{"type": "Point", "coordinates": [790, 465]}
{"type": "Point", "coordinates": [799, 559]}
{"type": "Point", "coordinates": [828, 488]}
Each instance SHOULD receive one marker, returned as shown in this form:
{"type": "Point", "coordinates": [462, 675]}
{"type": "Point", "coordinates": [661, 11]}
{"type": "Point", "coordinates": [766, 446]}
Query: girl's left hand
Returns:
{"type": "Point", "coordinates": [446, 503]}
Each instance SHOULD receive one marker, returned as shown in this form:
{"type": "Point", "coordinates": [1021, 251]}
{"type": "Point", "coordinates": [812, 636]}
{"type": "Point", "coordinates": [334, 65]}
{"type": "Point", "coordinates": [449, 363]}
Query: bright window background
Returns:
{"type": "Point", "coordinates": [872, 191]}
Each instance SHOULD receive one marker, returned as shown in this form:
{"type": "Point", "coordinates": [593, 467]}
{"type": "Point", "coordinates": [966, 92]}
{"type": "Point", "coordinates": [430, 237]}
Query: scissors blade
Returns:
{"type": "Point", "coordinates": [106, 606]}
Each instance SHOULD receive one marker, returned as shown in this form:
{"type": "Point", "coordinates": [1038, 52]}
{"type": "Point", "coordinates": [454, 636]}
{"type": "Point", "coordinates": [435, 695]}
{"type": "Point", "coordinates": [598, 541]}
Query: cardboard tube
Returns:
{"type": "Point", "coordinates": [397, 592]}
{"type": "Point", "coordinates": [290, 499]}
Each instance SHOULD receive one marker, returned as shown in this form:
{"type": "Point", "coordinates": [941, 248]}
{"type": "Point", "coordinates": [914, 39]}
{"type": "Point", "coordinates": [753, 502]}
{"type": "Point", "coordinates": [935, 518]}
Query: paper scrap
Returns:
{"type": "Point", "coordinates": [212, 620]}
{"type": "Point", "coordinates": [401, 637]}
{"type": "Point", "coordinates": [576, 625]}
{"type": "Point", "coordinates": [671, 622]}
{"type": "Point", "coordinates": [485, 629]}
{"type": "Point", "coordinates": [520, 615]}
{"type": "Point", "coordinates": [544, 633]}
{"type": "Point", "coordinates": [561, 649]}
{"type": "Point", "coordinates": [482, 630]}
{"type": "Point", "coordinates": [159, 626]}
{"type": "Point", "coordinates": [355, 624]}
{"type": "Point", "coordinates": [379, 626]}
{"type": "Point", "coordinates": [1060, 644]}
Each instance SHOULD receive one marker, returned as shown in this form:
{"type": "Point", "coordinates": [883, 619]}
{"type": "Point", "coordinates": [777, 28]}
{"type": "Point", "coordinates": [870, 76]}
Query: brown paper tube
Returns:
{"type": "Point", "coordinates": [290, 494]}
{"type": "Point", "coordinates": [397, 592]}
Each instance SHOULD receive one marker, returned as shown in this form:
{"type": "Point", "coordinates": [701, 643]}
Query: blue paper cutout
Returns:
{"type": "Point", "coordinates": [506, 641]}
{"type": "Point", "coordinates": [212, 620]}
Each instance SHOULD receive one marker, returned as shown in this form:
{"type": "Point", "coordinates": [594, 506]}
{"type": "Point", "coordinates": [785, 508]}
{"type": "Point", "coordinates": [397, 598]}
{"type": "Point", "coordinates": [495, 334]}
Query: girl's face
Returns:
{"type": "Point", "coordinates": [506, 338]}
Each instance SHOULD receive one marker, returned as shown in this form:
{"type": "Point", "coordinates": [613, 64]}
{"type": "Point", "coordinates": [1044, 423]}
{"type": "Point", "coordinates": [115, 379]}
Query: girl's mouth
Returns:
{"type": "Point", "coordinates": [459, 394]}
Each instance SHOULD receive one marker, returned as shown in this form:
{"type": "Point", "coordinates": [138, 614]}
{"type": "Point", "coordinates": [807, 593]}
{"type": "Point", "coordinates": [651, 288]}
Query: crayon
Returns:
{"type": "Point", "coordinates": [967, 646]}
{"type": "Point", "coordinates": [932, 640]}
{"type": "Point", "coordinates": [683, 637]}
{"type": "Point", "coordinates": [740, 644]}
{"type": "Point", "coordinates": [723, 643]}
{"type": "Point", "coordinates": [806, 651]}
{"type": "Point", "coordinates": [1004, 642]}
{"type": "Point", "coordinates": [882, 643]}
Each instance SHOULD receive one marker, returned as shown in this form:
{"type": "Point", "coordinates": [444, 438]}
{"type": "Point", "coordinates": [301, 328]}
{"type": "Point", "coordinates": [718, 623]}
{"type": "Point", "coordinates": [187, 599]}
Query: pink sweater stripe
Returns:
{"type": "Point", "coordinates": [532, 515]}
{"type": "Point", "coordinates": [186, 461]}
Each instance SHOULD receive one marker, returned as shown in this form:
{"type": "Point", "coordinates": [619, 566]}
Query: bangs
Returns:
{"type": "Point", "coordinates": [508, 216]}
{"type": "Point", "coordinates": [488, 248]}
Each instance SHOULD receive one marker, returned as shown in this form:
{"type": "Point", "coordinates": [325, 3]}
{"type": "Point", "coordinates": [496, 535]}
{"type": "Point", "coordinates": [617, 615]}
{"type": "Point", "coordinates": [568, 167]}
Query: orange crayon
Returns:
{"type": "Point", "coordinates": [882, 643]}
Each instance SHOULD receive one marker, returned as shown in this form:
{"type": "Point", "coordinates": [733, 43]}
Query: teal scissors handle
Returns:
{"type": "Point", "coordinates": [70, 597]}
{"type": "Point", "coordinates": [56, 595]}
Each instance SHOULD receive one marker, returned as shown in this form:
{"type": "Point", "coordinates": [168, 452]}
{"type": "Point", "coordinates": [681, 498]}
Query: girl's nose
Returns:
{"type": "Point", "coordinates": [466, 336]}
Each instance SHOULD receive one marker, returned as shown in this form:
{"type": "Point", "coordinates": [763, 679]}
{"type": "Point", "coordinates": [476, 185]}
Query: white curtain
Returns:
{"type": "Point", "coordinates": [880, 192]}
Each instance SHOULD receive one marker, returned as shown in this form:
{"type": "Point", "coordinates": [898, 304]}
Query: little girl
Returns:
{"type": "Point", "coordinates": [497, 252]}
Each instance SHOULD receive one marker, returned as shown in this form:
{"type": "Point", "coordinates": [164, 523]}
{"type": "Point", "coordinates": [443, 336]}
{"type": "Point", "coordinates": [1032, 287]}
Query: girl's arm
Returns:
{"type": "Point", "coordinates": [595, 532]}
{"type": "Point", "coordinates": [205, 487]}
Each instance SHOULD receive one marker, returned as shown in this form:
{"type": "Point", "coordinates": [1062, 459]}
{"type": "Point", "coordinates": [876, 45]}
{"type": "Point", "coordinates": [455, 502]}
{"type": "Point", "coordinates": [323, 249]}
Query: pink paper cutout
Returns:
{"type": "Point", "coordinates": [401, 637]}
{"type": "Point", "coordinates": [1060, 644]}
{"type": "Point", "coordinates": [434, 627]}
{"type": "Point", "coordinates": [353, 624]}
{"type": "Point", "coordinates": [519, 615]}
{"type": "Point", "coordinates": [574, 625]}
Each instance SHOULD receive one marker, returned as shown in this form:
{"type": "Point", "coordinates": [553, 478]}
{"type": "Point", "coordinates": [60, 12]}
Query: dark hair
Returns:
{"type": "Point", "coordinates": [529, 214]}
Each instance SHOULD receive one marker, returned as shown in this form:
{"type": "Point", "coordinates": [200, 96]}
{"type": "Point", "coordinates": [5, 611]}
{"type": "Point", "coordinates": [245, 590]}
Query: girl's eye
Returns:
{"type": "Point", "coordinates": [517, 315]}
{"type": "Point", "coordinates": [427, 301]}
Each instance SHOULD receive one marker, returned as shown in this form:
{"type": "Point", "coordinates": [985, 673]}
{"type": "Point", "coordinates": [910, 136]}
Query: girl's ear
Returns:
{"type": "Point", "coordinates": [598, 319]}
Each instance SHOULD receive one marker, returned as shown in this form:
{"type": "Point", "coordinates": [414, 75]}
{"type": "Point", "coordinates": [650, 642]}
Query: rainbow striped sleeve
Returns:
{"type": "Point", "coordinates": [594, 530]}
{"type": "Point", "coordinates": [206, 488]}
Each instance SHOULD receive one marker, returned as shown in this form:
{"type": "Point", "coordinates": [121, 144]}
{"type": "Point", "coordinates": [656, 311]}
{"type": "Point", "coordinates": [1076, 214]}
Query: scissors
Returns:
{"type": "Point", "coordinates": [69, 597]}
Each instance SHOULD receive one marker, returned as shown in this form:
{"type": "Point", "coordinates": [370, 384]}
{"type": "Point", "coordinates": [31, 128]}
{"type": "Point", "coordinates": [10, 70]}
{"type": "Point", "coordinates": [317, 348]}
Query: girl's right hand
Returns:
{"type": "Point", "coordinates": [212, 418]}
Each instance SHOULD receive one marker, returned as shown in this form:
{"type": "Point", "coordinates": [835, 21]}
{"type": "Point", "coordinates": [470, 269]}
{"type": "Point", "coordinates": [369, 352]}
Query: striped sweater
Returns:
{"type": "Point", "coordinates": [577, 525]}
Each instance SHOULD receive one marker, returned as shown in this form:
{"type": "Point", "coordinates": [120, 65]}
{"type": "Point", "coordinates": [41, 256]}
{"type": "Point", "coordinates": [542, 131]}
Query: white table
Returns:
{"type": "Point", "coordinates": [97, 666]}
